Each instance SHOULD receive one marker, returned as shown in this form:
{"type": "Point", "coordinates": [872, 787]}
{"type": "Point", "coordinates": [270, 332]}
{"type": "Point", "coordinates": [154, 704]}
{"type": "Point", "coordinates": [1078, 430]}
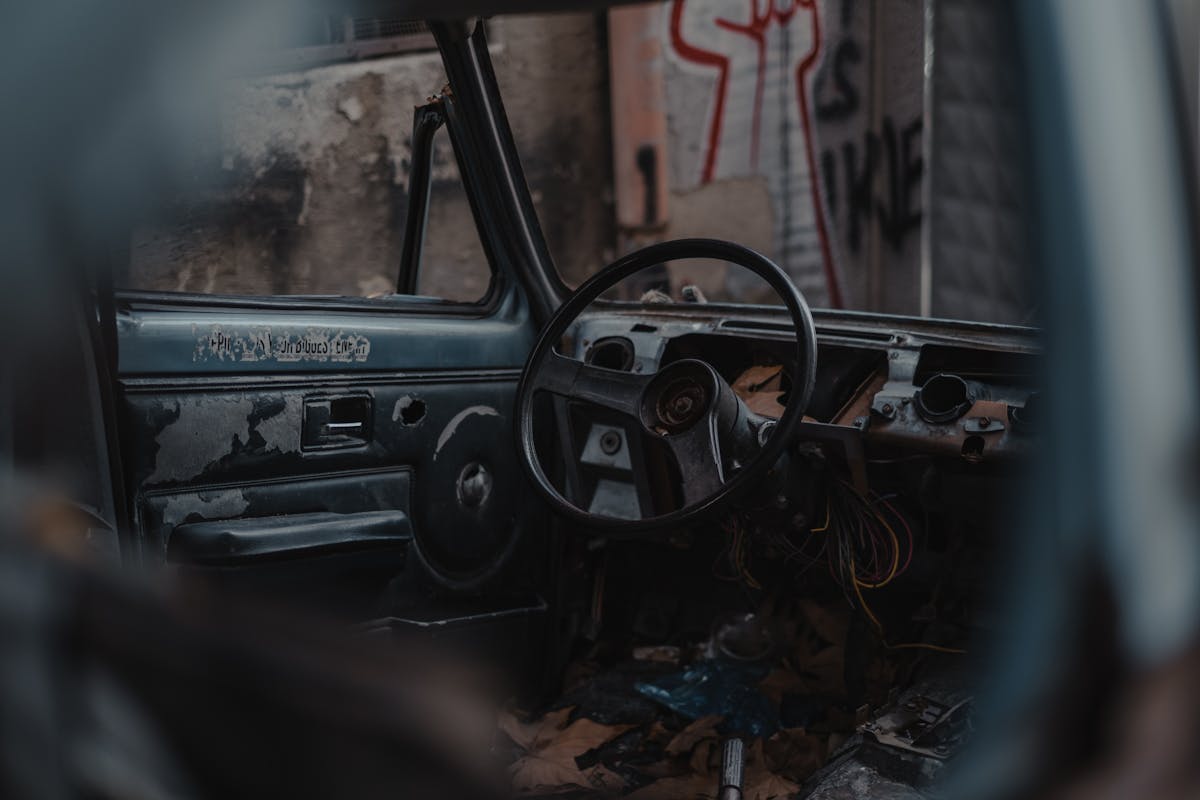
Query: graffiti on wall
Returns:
{"type": "Point", "coordinates": [874, 174]}
{"type": "Point", "coordinates": [760, 56]}
{"type": "Point", "coordinates": [850, 174]}
{"type": "Point", "coordinates": [789, 98]}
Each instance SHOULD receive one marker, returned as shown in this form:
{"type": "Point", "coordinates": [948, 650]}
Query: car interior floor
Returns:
{"type": "Point", "coordinates": [835, 633]}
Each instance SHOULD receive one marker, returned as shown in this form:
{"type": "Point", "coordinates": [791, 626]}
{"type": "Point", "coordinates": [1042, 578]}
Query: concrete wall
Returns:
{"type": "Point", "coordinates": [978, 238]}
{"type": "Point", "coordinates": [302, 183]}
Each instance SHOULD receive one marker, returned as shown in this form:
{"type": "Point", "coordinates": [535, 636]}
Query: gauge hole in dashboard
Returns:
{"type": "Point", "coordinates": [943, 398]}
{"type": "Point", "coordinates": [612, 352]}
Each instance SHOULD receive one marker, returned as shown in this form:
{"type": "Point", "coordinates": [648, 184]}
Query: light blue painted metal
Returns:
{"type": "Point", "coordinates": [194, 341]}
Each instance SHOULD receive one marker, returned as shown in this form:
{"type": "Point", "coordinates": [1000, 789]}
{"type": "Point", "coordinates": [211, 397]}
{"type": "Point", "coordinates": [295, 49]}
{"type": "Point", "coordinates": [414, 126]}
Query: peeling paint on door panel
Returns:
{"type": "Point", "coordinates": [457, 419]}
{"type": "Point", "coordinates": [205, 431]}
{"type": "Point", "coordinates": [216, 504]}
{"type": "Point", "coordinates": [409, 410]}
{"type": "Point", "coordinates": [280, 427]}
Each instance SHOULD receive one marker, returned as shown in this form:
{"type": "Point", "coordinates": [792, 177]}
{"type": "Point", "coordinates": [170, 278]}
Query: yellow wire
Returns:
{"type": "Point", "coordinates": [879, 626]}
{"type": "Point", "coordinates": [860, 585]}
{"type": "Point", "coordinates": [737, 555]}
{"type": "Point", "coordinates": [887, 527]}
{"type": "Point", "coordinates": [895, 556]}
{"type": "Point", "coordinates": [862, 603]}
{"type": "Point", "coordinates": [828, 511]}
{"type": "Point", "coordinates": [741, 561]}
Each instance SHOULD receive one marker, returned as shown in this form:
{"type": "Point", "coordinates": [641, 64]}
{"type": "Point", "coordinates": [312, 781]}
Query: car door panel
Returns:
{"type": "Point", "coordinates": [241, 415]}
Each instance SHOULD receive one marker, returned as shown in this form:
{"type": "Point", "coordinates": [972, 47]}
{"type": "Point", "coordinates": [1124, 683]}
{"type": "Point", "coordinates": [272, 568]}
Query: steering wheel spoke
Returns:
{"type": "Point", "coordinates": [608, 388]}
{"type": "Point", "coordinates": [697, 454]}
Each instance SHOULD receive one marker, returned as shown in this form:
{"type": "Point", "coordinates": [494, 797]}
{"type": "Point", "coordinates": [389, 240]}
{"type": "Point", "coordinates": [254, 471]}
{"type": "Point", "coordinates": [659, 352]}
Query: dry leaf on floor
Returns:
{"type": "Point", "coordinates": [705, 757]}
{"type": "Point", "coordinates": [685, 740]}
{"type": "Point", "coordinates": [551, 758]}
{"type": "Point", "coordinates": [661, 769]}
{"type": "Point", "coordinates": [781, 681]}
{"type": "Point", "coordinates": [680, 787]}
{"type": "Point", "coordinates": [581, 736]}
{"type": "Point", "coordinates": [765, 786]}
{"type": "Point", "coordinates": [533, 772]}
{"type": "Point", "coordinates": [761, 783]}
{"type": "Point", "coordinates": [535, 734]}
{"type": "Point", "coordinates": [753, 754]}
{"type": "Point", "coordinates": [794, 753]}
{"type": "Point", "coordinates": [657, 733]}
{"type": "Point", "coordinates": [823, 669]}
{"type": "Point", "coordinates": [603, 779]}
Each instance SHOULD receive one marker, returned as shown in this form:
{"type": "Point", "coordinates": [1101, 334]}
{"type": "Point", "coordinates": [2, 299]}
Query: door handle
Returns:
{"type": "Point", "coordinates": [336, 422]}
{"type": "Point", "coordinates": [342, 428]}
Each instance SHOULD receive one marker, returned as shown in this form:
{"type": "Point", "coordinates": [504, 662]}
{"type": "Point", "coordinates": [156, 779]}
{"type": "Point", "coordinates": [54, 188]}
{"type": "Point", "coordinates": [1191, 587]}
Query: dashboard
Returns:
{"type": "Point", "coordinates": [885, 387]}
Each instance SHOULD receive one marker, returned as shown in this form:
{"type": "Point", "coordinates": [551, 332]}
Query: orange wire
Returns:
{"type": "Point", "coordinates": [879, 627]}
{"type": "Point", "coordinates": [895, 556]}
{"type": "Point", "coordinates": [828, 513]}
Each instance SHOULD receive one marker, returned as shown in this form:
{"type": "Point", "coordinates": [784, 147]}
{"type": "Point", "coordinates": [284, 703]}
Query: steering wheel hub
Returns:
{"type": "Point", "coordinates": [682, 401]}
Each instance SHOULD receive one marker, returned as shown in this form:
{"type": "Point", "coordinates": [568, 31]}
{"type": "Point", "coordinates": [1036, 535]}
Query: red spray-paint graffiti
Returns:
{"type": "Point", "coordinates": [708, 35]}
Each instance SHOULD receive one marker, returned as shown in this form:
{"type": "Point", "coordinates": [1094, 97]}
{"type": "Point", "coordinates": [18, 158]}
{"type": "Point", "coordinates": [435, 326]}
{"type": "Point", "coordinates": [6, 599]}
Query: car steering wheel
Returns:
{"type": "Point", "coordinates": [719, 447]}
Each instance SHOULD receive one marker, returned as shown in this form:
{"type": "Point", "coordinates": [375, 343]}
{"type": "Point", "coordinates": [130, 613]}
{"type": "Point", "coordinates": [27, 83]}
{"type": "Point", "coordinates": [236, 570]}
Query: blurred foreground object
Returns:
{"type": "Point", "coordinates": [111, 689]}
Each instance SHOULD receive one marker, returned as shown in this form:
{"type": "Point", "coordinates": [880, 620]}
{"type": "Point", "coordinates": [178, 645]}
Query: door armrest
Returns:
{"type": "Point", "coordinates": [236, 541]}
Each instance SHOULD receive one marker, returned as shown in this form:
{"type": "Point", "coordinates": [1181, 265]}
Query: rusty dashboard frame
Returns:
{"type": "Point", "coordinates": [883, 411]}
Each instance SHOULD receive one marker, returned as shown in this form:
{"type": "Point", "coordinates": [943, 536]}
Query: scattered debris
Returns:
{"type": "Point", "coordinates": [924, 726]}
{"type": "Point", "coordinates": [762, 777]}
{"type": "Point", "coordinates": [761, 389]}
{"type": "Point", "coordinates": [733, 764]}
{"type": "Point", "coordinates": [552, 746]}
{"type": "Point", "coordinates": [742, 637]}
{"type": "Point", "coordinates": [654, 725]}
{"type": "Point", "coordinates": [703, 728]}
{"type": "Point", "coordinates": [662, 654]}
{"type": "Point", "coordinates": [607, 695]}
{"type": "Point", "coordinates": [728, 688]}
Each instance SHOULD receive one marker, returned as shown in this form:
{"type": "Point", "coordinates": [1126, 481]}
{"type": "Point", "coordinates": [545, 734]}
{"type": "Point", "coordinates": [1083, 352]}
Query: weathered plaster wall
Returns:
{"type": "Point", "coordinates": [305, 186]}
